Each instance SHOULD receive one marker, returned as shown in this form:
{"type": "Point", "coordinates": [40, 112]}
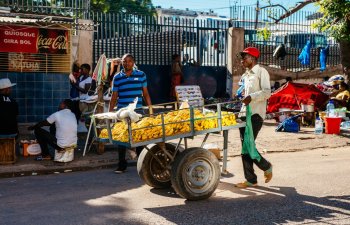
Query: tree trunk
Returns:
{"type": "Point", "coordinates": [345, 58]}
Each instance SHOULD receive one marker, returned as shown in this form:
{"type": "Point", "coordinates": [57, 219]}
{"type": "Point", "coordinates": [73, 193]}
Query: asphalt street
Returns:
{"type": "Point", "coordinates": [308, 187]}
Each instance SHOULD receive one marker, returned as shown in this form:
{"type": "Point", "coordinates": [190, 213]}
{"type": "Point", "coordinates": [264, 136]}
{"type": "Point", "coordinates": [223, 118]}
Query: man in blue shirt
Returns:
{"type": "Point", "coordinates": [128, 84]}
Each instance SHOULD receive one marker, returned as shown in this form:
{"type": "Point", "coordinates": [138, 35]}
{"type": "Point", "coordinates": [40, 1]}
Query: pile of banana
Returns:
{"type": "Point", "coordinates": [176, 122]}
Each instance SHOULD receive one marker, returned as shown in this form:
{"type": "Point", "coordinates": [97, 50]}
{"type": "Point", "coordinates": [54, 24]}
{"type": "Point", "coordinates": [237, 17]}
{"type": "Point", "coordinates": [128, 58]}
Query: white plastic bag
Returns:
{"type": "Point", "coordinates": [128, 112]}
{"type": "Point", "coordinates": [122, 114]}
{"type": "Point", "coordinates": [64, 156]}
{"type": "Point", "coordinates": [184, 104]}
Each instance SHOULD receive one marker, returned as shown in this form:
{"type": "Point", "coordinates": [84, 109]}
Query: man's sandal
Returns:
{"type": "Point", "coordinates": [245, 184]}
{"type": "Point", "coordinates": [268, 175]}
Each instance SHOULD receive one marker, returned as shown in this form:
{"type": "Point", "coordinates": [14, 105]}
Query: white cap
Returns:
{"type": "Point", "coordinates": [6, 83]}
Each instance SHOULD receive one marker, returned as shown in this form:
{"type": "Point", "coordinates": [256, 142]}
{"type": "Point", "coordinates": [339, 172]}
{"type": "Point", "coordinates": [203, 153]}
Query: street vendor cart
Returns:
{"type": "Point", "coordinates": [194, 172]}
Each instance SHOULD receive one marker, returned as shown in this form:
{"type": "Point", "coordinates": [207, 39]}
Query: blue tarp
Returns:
{"type": "Point", "coordinates": [304, 56]}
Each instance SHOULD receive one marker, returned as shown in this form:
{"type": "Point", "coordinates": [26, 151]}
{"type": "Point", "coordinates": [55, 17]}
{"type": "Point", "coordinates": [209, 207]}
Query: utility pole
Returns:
{"type": "Point", "coordinates": [257, 14]}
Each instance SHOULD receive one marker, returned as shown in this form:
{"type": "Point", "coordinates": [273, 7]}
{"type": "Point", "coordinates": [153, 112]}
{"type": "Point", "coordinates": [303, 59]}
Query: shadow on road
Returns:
{"type": "Point", "coordinates": [166, 192]}
{"type": "Point", "coordinates": [258, 205]}
{"type": "Point", "coordinates": [73, 198]}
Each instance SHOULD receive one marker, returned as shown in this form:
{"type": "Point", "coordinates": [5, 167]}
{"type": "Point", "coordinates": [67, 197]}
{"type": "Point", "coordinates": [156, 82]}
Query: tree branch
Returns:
{"type": "Point", "coordinates": [275, 19]}
{"type": "Point", "coordinates": [270, 6]}
{"type": "Point", "coordinates": [293, 10]}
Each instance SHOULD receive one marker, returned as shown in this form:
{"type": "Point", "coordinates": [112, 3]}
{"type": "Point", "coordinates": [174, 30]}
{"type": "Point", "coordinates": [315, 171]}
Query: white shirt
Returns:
{"type": "Point", "coordinates": [66, 127]}
{"type": "Point", "coordinates": [82, 84]}
{"type": "Point", "coordinates": [257, 85]}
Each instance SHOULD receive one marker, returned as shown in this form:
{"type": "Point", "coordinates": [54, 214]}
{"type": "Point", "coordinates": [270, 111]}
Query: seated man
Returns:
{"type": "Point", "coordinates": [66, 130]}
{"type": "Point", "coordinates": [9, 109]}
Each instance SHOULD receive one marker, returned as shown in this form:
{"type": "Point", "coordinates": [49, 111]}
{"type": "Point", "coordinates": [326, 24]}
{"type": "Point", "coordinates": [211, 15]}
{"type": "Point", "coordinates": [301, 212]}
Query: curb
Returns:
{"type": "Point", "coordinates": [64, 169]}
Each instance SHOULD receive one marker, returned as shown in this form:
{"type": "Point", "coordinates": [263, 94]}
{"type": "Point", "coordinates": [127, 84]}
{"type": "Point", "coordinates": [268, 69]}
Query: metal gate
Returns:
{"type": "Point", "coordinates": [153, 40]}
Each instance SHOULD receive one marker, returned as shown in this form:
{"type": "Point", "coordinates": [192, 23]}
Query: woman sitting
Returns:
{"type": "Point", "coordinates": [341, 96]}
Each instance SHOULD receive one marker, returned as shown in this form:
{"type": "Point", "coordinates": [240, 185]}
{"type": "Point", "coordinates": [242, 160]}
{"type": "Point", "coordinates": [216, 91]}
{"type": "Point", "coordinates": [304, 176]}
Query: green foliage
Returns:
{"type": "Point", "coordinates": [264, 33]}
{"type": "Point", "coordinates": [99, 5]}
{"type": "Point", "coordinates": [335, 19]}
{"type": "Point", "coordinates": [141, 7]}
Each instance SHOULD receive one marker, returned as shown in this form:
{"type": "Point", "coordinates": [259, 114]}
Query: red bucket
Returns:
{"type": "Point", "coordinates": [333, 125]}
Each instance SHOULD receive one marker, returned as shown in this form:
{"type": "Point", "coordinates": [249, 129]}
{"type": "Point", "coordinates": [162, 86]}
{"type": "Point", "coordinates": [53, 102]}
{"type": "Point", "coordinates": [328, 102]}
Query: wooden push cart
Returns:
{"type": "Point", "coordinates": [194, 172]}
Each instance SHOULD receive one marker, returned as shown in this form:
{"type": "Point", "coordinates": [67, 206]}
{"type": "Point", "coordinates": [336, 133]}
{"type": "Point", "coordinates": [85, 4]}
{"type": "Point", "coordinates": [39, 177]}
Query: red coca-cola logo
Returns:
{"type": "Point", "coordinates": [52, 41]}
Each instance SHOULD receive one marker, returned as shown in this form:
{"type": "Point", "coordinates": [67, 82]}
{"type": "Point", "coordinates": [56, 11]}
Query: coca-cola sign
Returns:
{"type": "Point", "coordinates": [52, 41]}
{"type": "Point", "coordinates": [33, 40]}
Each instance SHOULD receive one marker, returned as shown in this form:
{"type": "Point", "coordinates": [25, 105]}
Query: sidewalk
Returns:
{"type": "Point", "coordinates": [267, 142]}
{"type": "Point", "coordinates": [28, 166]}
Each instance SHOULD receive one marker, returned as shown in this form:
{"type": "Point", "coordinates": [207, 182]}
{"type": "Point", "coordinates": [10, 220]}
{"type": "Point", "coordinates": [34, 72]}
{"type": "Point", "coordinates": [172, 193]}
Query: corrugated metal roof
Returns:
{"type": "Point", "coordinates": [17, 20]}
{"type": "Point", "coordinates": [42, 20]}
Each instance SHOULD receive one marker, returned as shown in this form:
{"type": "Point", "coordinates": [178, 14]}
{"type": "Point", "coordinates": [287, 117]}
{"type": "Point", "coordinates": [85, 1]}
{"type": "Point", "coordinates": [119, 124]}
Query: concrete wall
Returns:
{"type": "Point", "coordinates": [82, 44]}
{"type": "Point", "coordinates": [235, 45]}
{"type": "Point", "coordinates": [37, 94]}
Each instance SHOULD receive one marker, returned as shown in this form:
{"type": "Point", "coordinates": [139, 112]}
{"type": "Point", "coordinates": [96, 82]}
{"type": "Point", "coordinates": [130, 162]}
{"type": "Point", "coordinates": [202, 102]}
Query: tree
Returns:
{"type": "Point", "coordinates": [99, 5]}
{"type": "Point", "coordinates": [335, 20]}
{"type": "Point", "coordinates": [141, 7]}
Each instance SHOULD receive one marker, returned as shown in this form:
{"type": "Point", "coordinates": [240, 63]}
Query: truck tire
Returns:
{"type": "Point", "coordinates": [195, 174]}
{"type": "Point", "coordinates": [149, 169]}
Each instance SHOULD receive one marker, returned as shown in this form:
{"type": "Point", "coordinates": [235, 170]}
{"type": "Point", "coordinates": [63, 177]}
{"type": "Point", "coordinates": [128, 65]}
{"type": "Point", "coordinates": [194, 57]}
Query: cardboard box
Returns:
{"type": "Point", "coordinates": [26, 145]}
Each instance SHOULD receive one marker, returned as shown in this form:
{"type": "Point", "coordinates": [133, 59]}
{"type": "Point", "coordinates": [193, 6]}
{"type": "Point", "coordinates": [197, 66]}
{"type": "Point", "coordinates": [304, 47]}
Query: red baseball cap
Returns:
{"type": "Point", "coordinates": [251, 51]}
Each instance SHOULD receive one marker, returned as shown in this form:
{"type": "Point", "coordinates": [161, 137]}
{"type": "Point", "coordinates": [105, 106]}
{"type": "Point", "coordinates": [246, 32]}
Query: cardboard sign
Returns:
{"type": "Point", "coordinates": [190, 93]}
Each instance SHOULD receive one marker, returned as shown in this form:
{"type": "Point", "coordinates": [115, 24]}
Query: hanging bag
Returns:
{"type": "Point", "coordinates": [249, 142]}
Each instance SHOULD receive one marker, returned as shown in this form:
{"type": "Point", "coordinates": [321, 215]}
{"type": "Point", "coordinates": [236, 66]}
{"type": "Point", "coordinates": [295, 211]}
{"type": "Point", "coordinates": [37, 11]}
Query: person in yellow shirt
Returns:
{"type": "Point", "coordinates": [342, 95]}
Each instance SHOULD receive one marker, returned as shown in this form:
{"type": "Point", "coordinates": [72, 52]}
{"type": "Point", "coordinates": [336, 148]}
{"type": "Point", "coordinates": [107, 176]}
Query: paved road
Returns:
{"type": "Point", "coordinates": [310, 187]}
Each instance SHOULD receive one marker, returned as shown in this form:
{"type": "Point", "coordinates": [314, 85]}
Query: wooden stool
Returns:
{"type": "Point", "coordinates": [7, 149]}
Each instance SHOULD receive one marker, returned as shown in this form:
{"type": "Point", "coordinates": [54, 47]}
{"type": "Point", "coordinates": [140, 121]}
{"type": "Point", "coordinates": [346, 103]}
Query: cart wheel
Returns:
{"type": "Point", "coordinates": [195, 174]}
{"type": "Point", "coordinates": [149, 169]}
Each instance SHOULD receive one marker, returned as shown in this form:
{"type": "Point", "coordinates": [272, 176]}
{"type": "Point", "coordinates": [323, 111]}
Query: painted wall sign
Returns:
{"type": "Point", "coordinates": [23, 62]}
